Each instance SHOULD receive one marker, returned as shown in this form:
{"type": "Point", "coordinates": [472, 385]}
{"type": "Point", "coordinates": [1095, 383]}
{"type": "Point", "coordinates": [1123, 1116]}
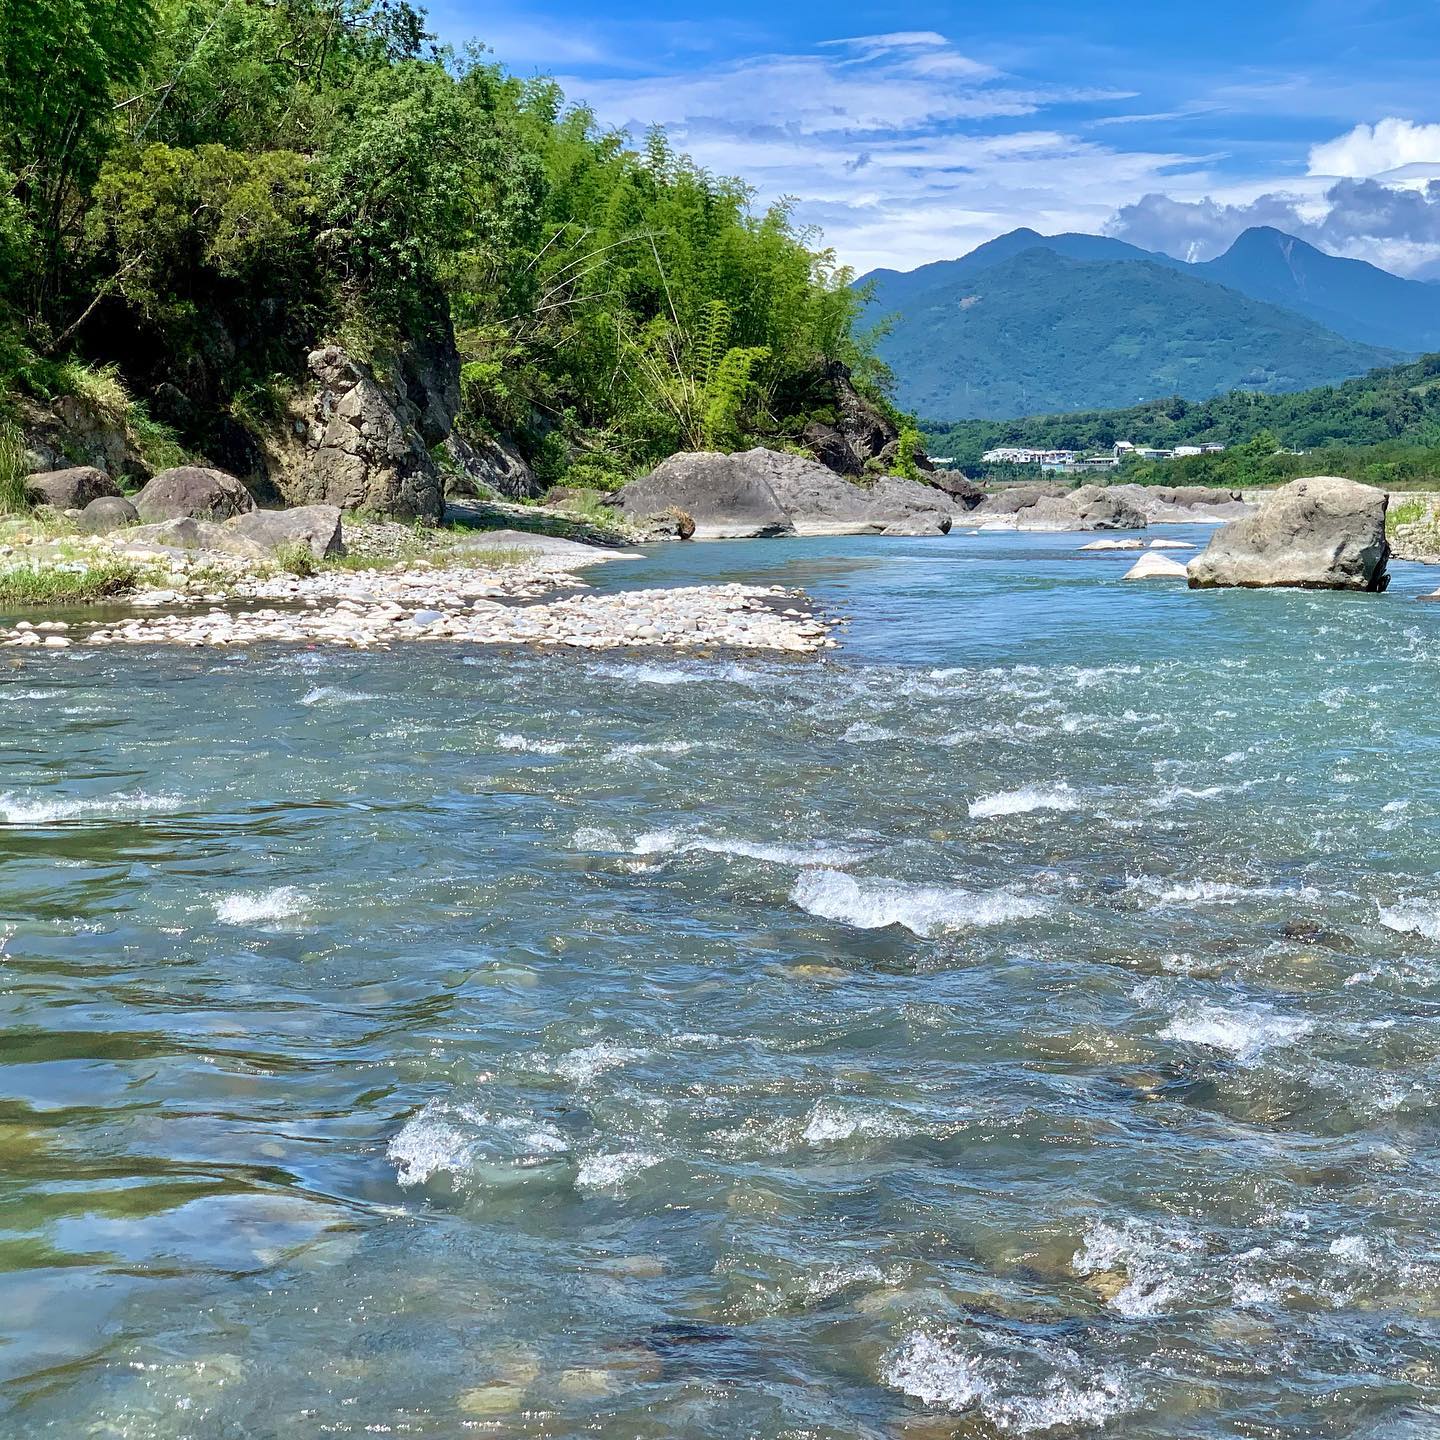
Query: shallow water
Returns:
{"type": "Point", "coordinates": [907, 1043]}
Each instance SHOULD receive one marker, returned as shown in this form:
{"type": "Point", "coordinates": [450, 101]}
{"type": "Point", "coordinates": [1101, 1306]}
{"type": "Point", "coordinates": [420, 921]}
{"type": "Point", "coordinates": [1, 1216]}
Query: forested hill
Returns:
{"type": "Point", "coordinates": [1036, 330]}
{"type": "Point", "coordinates": [1397, 404]}
{"type": "Point", "coordinates": [195, 193]}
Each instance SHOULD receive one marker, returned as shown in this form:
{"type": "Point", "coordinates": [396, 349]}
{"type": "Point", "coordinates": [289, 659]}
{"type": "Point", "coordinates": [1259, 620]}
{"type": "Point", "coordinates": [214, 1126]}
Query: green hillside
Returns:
{"type": "Point", "coordinates": [1397, 404]}
{"type": "Point", "coordinates": [1040, 332]}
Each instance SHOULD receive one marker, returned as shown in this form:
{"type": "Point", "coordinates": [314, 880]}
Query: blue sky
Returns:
{"type": "Point", "coordinates": [912, 133]}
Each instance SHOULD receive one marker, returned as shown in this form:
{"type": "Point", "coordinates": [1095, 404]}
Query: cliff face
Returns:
{"type": "Point", "coordinates": [861, 432]}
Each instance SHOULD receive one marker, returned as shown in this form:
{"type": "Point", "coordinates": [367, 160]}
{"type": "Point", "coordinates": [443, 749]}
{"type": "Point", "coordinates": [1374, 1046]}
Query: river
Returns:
{"type": "Point", "coordinates": [1021, 1021]}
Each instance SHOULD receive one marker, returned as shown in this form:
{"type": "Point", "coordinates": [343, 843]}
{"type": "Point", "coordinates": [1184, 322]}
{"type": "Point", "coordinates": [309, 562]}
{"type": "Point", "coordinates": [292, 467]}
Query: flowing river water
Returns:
{"type": "Point", "coordinates": [1021, 1021]}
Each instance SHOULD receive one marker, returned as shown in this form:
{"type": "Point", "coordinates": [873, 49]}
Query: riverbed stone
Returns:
{"type": "Point", "coordinates": [193, 492]}
{"type": "Point", "coordinates": [1321, 532]}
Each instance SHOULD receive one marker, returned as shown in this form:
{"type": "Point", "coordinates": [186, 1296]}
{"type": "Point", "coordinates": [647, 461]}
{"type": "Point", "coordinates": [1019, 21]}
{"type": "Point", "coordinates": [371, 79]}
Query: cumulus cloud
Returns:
{"type": "Point", "coordinates": [1397, 227]}
{"type": "Point", "coordinates": [1370, 150]}
{"type": "Point", "coordinates": [902, 146]}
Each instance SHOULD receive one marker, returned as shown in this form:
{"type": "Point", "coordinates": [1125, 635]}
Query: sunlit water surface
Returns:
{"type": "Point", "coordinates": [1022, 1021]}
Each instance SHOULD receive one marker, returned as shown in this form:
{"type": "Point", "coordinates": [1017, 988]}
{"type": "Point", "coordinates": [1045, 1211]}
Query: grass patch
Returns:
{"type": "Point", "coordinates": [296, 558]}
{"type": "Point", "coordinates": [25, 585]}
{"type": "Point", "coordinates": [1407, 512]}
{"type": "Point", "coordinates": [13, 470]}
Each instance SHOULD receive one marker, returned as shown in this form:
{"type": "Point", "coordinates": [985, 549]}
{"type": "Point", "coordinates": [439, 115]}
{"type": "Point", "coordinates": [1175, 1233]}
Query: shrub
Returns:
{"type": "Point", "coordinates": [13, 470]}
{"type": "Point", "coordinates": [296, 558]}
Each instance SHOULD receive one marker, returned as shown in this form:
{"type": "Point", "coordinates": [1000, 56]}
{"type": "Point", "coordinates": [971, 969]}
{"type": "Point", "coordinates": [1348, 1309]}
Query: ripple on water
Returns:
{"type": "Point", "coordinates": [924, 910]}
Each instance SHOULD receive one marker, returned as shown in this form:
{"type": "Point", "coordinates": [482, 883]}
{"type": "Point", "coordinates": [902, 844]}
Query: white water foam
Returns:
{"type": "Point", "coordinates": [613, 1172]}
{"type": "Point", "coordinates": [42, 810]}
{"type": "Point", "coordinates": [924, 910]}
{"type": "Point", "coordinates": [1413, 917]}
{"type": "Point", "coordinates": [1246, 1033]}
{"type": "Point", "coordinates": [862, 731]}
{"type": "Point", "coordinates": [533, 747]}
{"type": "Point", "coordinates": [1023, 801]}
{"type": "Point", "coordinates": [587, 1063]}
{"type": "Point", "coordinates": [1209, 892]}
{"type": "Point", "coordinates": [332, 695]}
{"type": "Point", "coordinates": [683, 842]}
{"type": "Point", "coordinates": [1157, 1260]}
{"type": "Point", "coordinates": [260, 907]}
{"type": "Point", "coordinates": [936, 1373]}
{"type": "Point", "coordinates": [656, 747]}
{"type": "Point", "coordinates": [829, 1122]}
{"type": "Point", "coordinates": [471, 1146]}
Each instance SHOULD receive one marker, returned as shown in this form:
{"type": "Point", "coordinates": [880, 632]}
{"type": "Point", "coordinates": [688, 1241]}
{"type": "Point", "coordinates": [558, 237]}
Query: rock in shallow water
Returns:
{"type": "Point", "coordinates": [1320, 533]}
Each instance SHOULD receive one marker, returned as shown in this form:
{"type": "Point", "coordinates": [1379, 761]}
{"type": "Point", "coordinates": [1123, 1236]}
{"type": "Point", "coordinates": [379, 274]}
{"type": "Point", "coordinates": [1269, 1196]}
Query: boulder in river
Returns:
{"type": "Point", "coordinates": [727, 496]}
{"type": "Point", "coordinates": [69, 489]}
{"type": "Point", "coordinates": [1151, 566]}
{"type": "Point", "coordinates": [193, 492]}
{"type": "Point", "coordinates": [1319, 533]}
{"type": "Point", "coordinates": [315, 526]}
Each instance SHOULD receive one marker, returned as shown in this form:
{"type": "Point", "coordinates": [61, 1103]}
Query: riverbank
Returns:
{"type": "Point", "coordinates": [399, 584]}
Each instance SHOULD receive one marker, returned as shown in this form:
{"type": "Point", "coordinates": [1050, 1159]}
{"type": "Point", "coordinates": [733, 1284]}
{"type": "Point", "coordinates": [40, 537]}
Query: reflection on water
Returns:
{"type": "Point", "coordinates": [1021, 1022]}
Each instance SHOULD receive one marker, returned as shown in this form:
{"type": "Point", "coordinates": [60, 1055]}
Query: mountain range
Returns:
{"type": "Point", "coordinates": [1033, 324]}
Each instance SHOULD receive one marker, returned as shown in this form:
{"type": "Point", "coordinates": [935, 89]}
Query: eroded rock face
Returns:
{"type": "Point", "coordinates": [901, 499]}
{"type": "Point", "coordinates": [193, 492]}
{"type": "Point", "coordinates": [68, 431]}
{"type": "Point", "coordinates": [490, 469]}
{"type": "Point", "coordinates": [1319, 533]}
{"type": "Point", "coordinates": [1014, 498]}
{"type": "Point", "coordinates": [316, 526]}
{"type": "Point", "coordinates": [70, 489]}
{"type": "Point", "coordinates": [960, 488]}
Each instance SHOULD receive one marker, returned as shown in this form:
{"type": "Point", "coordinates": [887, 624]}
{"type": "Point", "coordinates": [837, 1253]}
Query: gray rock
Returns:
{"type": "Point", "coordinates": [187, 533]}
{"type": "Point", "coordinates": [932, 523]}
{"type": "Point", "coordinates": [666, 525]}
{"type": "Point", "coordinates": [892, 495]}
{"type": "Point", "coordinates": [317, 526]}
{"type": "Point", "coordinates": [1011, 499]}
{"type": "Point", "coordinates": [960, 488]}
{"type": "Point", "coordinates": [70, 489]}
{"type": "Point", "coordinates": [816, 500]}
{"type": "Point", "coordinates": [193, 492]}
{"type": "Point", "coordinates": [1322, 532]}
{"type": "Point", "coordinates": [107, 513]}
{"type": "Point", "coordinates": [1091, 507]}
{"type": "Point", "coordinates": [728, 496]}
{"type": "Point", "coordinates": [426, 617]}
{"type": "Point", "coordinates": [827, 443]}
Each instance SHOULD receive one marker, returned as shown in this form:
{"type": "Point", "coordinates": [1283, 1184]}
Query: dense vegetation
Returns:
{"type": "Point", "coordinates": [196, 192]}
{"type": "Point", "coordinates": [1040, 332]}
{"type": "Point", "coordinates": [1401, 403]}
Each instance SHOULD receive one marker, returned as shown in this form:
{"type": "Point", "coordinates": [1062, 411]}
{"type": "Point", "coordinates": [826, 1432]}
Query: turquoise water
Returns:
{"type": "Point", "coordinates": [1021, 1021]}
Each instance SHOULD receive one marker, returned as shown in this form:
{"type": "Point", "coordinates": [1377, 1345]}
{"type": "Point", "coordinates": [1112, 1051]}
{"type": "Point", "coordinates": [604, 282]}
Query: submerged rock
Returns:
{"type": "Point", "coordinates": [1156, 567]}
{"type": "Point", "coordinates": [1322, 532]}
{"type": "Point", "coordinates": [193, 492]}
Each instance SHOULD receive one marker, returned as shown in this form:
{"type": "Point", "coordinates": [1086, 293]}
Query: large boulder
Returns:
{"type": "Point", "coordinates": [1011, 499]}
{"type": "Point", "coordinates": [70, 489]}
{"type": "Point", "coordinates": [816, 499]}
{"type": "Point", "coordinates": [315, 526]}
{"type": "Point", "coordinates": [960, 488]}
{"type": "Point", "coordinates": [1319, 533]}
{"type": "Point", "coordinates": [193, 492]}
{"type": "Point", "coordinates": [932, 523]}
{"type": "Point", "coordinates": [1183, 504]}
{"type": "Point", "coordinates": [107, 513]}
{"type": "Point", "coordinates": [187, 533]}
{"type": "Point", "coordinates": [727, 496]}
{"type": "Point", "coordinates": [897, 498]}
{"type": "Point", "coordinates": [1091, 507]}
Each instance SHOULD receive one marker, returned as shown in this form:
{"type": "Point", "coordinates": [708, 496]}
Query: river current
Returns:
{"type": "Point", "coordinates": [1021, 1021]}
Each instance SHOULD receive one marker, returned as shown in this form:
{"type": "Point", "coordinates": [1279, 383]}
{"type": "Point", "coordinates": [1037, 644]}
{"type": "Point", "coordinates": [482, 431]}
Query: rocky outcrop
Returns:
{"type": "Point", "coordinates": [928, 524]}
{"type": "Point", "coordinates": [862, 437]}
{"type": "Point", "coordinates": [70, 489]}
{"type": "Point", "coordinates": [767, 492]}
{"type": "Point", "coordinates": [193, 492]}
{"type": "Point", "coordinates": [960, 488]}
{"type": "Point", "coordinates": [1091, 507]}
{"type": "Point", "coordinates": [1322, 533]}
{"type": "Point", "coordinates": [69, 431]}
{"type": "Point", "coordinates": [485, 468]}
{"type": "Point", "coordinates": [727, 496]}
{"type": "Point", "coordinates": [317, 527]}
{"type": "Point", "coordinates": [109, 512]}
{"type": "Point", "coordinates": [1011, 499]}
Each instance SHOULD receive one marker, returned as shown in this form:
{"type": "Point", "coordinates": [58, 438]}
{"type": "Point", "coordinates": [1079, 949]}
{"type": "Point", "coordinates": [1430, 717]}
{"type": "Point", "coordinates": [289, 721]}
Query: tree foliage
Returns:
{"type": "Point", "coordinates": [199, 190]}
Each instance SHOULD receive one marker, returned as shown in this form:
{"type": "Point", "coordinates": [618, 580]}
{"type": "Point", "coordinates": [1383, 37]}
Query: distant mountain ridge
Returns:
{"type": "Point", "coordinates": [967, 343]}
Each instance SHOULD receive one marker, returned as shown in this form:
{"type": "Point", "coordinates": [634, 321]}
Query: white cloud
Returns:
{"type": "Point", "coordinates": [1370, 150]}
